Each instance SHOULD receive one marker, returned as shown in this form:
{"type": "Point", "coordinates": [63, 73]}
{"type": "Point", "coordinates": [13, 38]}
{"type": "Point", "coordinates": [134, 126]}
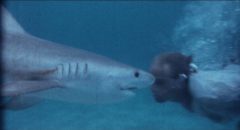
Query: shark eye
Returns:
{"type": "Point", "coordinates": [136, 74]}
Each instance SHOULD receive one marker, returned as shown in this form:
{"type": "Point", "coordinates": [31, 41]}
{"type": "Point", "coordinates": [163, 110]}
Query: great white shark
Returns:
{"type": "Point", "coordinates": [34, 67]}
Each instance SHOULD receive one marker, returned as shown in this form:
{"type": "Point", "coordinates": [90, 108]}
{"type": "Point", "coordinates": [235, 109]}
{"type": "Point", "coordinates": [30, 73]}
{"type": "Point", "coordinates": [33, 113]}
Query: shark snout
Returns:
{"type": "Point", "coordinates": [139, 79]}
{"type": "Point", "coordinates": [142, 80]}
{"type": "Point", "coordinates": [151, 79]}
{"type": "Point", "coordinates": [147, 79]}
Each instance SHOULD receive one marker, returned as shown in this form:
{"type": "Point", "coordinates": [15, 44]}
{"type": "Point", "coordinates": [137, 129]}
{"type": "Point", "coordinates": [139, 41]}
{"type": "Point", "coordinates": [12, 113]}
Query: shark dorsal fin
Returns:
{"type": "Point", "coordinates": [9, 24]}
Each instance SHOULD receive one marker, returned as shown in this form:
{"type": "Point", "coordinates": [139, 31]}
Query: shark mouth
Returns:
{"type": "Point", "coordinates": [129, 91]}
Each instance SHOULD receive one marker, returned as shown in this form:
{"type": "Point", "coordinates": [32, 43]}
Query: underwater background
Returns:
{"type": "Point", "coordinates": [132, 33]}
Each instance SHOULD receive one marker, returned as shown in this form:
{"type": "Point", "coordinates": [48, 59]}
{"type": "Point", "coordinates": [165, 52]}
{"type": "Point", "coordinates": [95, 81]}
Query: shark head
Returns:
{"type": "Point", "coordinates": [107, 83]}
{"type": "Point", "coordinates": [121, 83]}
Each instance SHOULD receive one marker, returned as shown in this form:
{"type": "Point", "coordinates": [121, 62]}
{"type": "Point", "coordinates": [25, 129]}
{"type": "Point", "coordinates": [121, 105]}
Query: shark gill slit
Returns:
{"type": "Point", "coordinates": [77, 69]}
{"type": "Point", "coordinates": [69, 69]}
{"type": "Point", "coordinates": [85, 69]}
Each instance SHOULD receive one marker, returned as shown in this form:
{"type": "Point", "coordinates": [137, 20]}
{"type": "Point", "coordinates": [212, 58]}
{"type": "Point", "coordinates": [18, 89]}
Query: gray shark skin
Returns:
{"type": "Point", "coordinates": [34, 67]}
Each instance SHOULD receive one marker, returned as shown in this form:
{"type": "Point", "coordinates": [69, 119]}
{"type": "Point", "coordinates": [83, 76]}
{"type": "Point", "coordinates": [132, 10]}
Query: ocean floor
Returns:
{"type": "Point", "coordinates": [138, 113]}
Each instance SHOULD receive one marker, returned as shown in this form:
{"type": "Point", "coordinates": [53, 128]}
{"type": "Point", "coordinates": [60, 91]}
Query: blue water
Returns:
{"type": "Point", "coordinates": [132, 33]}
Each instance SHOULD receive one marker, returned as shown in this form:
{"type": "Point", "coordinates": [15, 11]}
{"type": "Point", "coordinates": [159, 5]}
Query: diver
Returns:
{"type": "Point", "coordinates": [212, 93]}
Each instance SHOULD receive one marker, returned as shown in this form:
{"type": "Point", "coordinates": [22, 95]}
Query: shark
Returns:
{"type": "Point", "coordinates": [38, 68]}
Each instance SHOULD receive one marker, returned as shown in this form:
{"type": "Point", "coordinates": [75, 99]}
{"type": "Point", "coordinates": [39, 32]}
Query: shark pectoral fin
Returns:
{"type": "Point", "coordinates": [21, 102]}
{"type": "Point", "coordinates": [25, 87]}
{"type": "Point", "coordinates": [40, 74]}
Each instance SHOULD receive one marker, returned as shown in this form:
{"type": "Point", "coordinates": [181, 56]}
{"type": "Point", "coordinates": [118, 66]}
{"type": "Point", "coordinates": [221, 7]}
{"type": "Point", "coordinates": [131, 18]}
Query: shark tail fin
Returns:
{"type": "Point", "coordinates": [9, 24]}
